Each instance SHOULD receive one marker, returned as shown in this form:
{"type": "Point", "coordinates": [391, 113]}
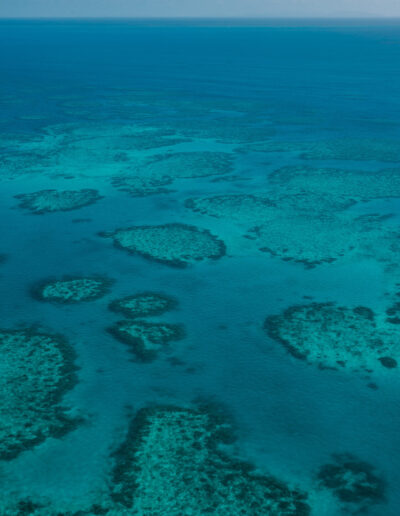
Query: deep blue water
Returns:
{"type": "Point", "coordinates": [83, 81]}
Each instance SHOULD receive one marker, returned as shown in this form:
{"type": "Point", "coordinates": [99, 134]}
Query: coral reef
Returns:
{"type": "Point", "coordinates": [393, 313]}
{"type": "Point", "coordinates": [36, 370]}
{"type": "Point", "coordinates": [146, 139]}
{"type": "Point", "coordinates": [226, 130]}
{"type": "Point", "coordinates": [172, 244]}
{"type": "Point", "coordinates": [286, 226]}
{"type": "Point", "coordinates": [354, 149]}
{"type": "Point", "coordinates": [154, 174]}
{"type": "Point", "coordinates": [143, 304]}
{"type": "Point", "coordinates": [170, 463]}
{"type": "Point", "coordinates": [333, 336]}
{"type": "Point", "coordinates": [336, 149]}
{"type": "Point", "coordinates": [72, 289]}
{"type": "Point", "coordinates": [141, 186]}
{"type": "Point", "coordinates": [354, 482]}
{"type": "Point", "coordinates": [82, 149]}
{"type": "Point", "coordinates": [146, 339]}
{"type": "Point", "coordinates": [347, 185]}
{"type": "Point", "coordinates": [48, 201]}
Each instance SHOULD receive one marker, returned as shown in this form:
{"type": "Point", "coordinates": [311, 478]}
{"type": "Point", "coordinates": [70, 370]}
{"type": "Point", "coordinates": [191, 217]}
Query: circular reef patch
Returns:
{"type": "Point", "coordinates": [354, 482]}
{"type": "Point", "coordinates": [36, 370]}
{"type": "Point", "coordinates": [333, 336]}
{"type": "Point", "coordinates": [170, 463]}
{"type": "Point", "coordinates": [177, 245]}
{"type": "Point", "coordinates": [144, 304]}
{"type": "Point", "coordinates": [69, 290]}
{"type": "Point", "coordinates": [49, 201]}
{"type": "Point", "coordinates": [146, 339]}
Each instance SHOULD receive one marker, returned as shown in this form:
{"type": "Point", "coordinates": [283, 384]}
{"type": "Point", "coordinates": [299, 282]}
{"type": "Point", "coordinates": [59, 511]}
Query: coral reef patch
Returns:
{"type": "Point", "coordinates": [49, 201]}
{"type": "Point", "coordinates": [387, 151]}
{"type": "Point", "coordinates": [70, 289]}
{"type": "Point", "coordinates": [170, 463]}
{"type": "Point", "coordinates": [354, 150]}
{"type": "Point", "coordinates": [354, 482]}
{"type": "Point", "coordinates": [172, 244]}
{"type": "Point", "coordinates": [333, 336]}
{"type": "Point", "coordinates": [141, 186]}
{"type": "Point", "coordinates": [36, 370]}
{"type": "Point", "coordinates": [348, 185]}
{"type": "Point", "coordinates": [153, 175]}
{"type": "Point", "coordinates": [286, 226]}
{"type": "Point", "coordinates": [146, 339]}
{"type": "Point", "coordinates": [143, 304]}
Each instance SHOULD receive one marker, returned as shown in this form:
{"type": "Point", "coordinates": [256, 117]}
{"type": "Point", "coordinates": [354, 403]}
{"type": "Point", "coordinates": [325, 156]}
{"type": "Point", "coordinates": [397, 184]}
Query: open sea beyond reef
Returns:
{"type": "Point", "coordinates": [199, 268]}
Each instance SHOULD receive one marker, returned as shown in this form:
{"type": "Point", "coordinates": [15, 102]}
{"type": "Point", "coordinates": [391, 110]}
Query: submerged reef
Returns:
{"type": "Point", "coordinates": [146, 339]}
{"type": "Point", "coordinates": [177, 245]}
{"type": "Point", "coordinates": [153, 175]}
{"type": "Point", "coordinates": [143, 304]}
{"type": "Point", "coordinates": [355, 150]}
{"type": "Point", "coordinates": [393, 313]}
{"type": "Point", "coordinates": [337, 337]}
{"type": "Point", "coordinates": [138, 186]}
{"type": "Point", "coordinates": [36, 370]}
{"type": "Point", "coordinates": [354, 482]}
{"type": "Point", "coordinates": [82, 149]}
{"type": "Point", "coordinates": [337, 149]}
{"type": "Point", "coordinates": [170, 463]}
{"type": "Point", "coordinates": [145, 139]}
{"type": "Point", "coordinates": [346, 185]}
{"type": "Point", "coordinates": [286, 226]}
{"type": "Point", "coordinates": [70, 289]}
{"type": "Point", "coordinates": [232, 130]}
{"type": "Point", "coordinates": [48, 201]}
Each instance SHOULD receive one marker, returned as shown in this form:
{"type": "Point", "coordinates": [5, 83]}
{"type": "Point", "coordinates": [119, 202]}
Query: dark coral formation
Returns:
{"type": "Point", "coordinates": [37, 369]}
{"type": "Point", "coordinates": [49, 201]}
{"type": "Point", "coordinates": [146, 339]}
{"type": "Point", "coordinates": [170, 463]}
{"type": "Point", "coordinates": [177, 245]}
{"type": "Point", "coordinates": [72, 289]}
{"type": "Point", "coordinates": [334, 336]}
{"type": "Point", "coordinates": [143, 304]}
{"type": "Point", "coordinates": [388, 362]}
{"type": "Point", "coordinates": [354, 482]}
{"type": "Point", "coordinates": [393, 313]}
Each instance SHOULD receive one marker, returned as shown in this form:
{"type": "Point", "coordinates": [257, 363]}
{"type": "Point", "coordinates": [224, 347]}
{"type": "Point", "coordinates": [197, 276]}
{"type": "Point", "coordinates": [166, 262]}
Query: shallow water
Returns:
{"type": "Point", "coordinates": [71, 96]}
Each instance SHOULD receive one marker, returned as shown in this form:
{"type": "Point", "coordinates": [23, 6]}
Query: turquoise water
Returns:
{"type": "Point", "coordinates": [84, 104]}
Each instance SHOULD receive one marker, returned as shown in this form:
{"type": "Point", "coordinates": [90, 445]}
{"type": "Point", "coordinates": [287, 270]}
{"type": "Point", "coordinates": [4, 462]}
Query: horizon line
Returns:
{"type": "Point", "coordinates": [208, 18]}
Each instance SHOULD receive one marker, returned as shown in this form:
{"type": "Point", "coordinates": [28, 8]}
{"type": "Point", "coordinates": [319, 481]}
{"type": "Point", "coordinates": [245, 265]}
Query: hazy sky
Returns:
{"type": "Point", "coordinates": [175, 8]}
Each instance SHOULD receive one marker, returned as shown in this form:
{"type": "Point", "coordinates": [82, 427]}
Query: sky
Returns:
{"type": "Point", "coordinates": [199, 8]}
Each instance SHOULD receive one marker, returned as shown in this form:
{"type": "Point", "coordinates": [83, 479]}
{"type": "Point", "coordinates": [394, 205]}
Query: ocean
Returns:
{"type": "Point", "coordinates": [247, 175]}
